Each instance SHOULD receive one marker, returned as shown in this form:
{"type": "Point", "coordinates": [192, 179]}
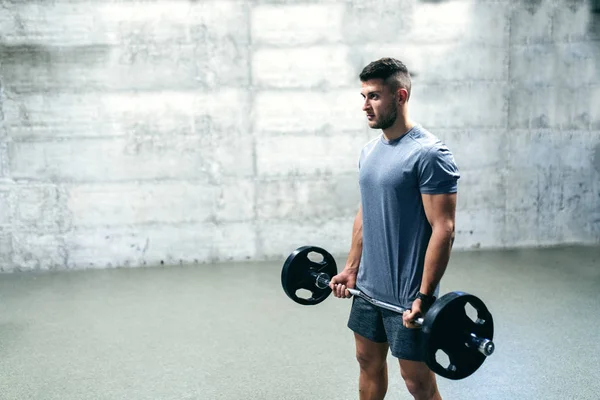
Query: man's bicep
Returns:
{"type": "Point", "coordinates": [440, 209]}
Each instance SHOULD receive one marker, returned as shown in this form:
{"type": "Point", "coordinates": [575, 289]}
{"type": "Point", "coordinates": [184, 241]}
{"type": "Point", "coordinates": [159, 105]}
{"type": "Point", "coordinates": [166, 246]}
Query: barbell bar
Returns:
{"type": "Point", "coordinates": [483, 345]}
{"type": "Point", "coordinates": [445, 327]}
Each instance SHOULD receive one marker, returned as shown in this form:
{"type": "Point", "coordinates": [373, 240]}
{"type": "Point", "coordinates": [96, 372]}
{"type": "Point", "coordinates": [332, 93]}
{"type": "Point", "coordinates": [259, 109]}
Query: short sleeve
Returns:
{"type": "Point", "coordinates": [438, 172]}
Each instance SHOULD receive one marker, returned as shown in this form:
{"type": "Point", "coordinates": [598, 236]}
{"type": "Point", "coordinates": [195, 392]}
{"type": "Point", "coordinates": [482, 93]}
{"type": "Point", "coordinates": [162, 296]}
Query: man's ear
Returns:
{"type": "Point", "coordinates": [402, 95]}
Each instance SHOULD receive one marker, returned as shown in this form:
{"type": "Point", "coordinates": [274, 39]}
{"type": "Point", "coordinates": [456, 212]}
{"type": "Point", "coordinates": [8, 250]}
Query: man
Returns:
{"type": "Point", "coordinates": [402, 235]}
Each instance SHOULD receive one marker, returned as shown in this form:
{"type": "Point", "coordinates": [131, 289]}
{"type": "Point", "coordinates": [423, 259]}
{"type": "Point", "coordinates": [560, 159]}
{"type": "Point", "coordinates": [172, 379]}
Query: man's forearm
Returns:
{"type": "Point", "coordinates": [437, 257]}
{"type": "Point", "coordinates": [355, 253]}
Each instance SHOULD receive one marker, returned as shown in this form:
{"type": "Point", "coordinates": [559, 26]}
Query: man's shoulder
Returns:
{"type": "Point", "coordinates": [372, 142]}
{"type": "Point", "coordinates": [369, 146]}
{"type": "Point", "coordinates": [425, 141]}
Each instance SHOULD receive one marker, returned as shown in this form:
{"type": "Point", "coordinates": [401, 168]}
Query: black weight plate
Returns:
{"type": "Point", "coordinates": [296, 274]}
{"type": "Point", "coordinates": [447, 327]}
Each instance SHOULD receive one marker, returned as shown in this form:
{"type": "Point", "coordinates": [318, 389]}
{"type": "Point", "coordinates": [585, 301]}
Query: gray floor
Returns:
{"type": "Point", "coordinates": [229, 332]}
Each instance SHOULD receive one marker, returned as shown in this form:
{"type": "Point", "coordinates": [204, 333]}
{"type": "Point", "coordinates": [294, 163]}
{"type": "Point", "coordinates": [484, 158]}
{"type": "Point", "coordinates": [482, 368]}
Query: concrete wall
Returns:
{"type": "Point", "coordinates": [141, 132]}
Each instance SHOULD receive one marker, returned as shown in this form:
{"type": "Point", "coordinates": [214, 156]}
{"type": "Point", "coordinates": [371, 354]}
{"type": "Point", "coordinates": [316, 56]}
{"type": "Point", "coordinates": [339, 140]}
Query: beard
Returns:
{"type": "Point", "coordinates": [387, 118]}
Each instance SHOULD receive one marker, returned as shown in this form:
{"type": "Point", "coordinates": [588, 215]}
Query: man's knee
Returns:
{"type": "Point", "coordinates": [419, 382]}
{"type": "Point", "coordinates": [370, 362]}
{"type": "Point", "coordinates": [371, 356]}
{"type": "Point", "coordinates": [420, 388]}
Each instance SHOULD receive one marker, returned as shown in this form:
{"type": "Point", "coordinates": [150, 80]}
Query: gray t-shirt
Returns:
{"type": "Point", "coordinates": [392, 176]}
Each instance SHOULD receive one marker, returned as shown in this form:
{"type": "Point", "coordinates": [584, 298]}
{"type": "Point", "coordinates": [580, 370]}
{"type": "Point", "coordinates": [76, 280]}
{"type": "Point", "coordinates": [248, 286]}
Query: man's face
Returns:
{"type": "Point", "coordinates": [380, 104]}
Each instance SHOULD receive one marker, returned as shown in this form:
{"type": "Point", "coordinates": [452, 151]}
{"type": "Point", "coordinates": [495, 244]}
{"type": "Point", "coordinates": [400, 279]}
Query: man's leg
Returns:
{"type": "Point", "coordinates": [371, 348]}
{"type": "Point", "coordinates": [420, 380]}
{"type": "Point", "coordinates": [406, 345]}
{"type": "Point", "coordinates": [373, 379]}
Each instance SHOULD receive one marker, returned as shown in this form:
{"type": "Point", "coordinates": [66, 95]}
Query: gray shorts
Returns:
{"type": "Point", "coordinates": [380, 325]}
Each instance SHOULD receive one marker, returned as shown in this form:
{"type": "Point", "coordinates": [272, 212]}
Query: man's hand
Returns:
{"type": "Point", "coordinates": [342, 282]}
{"type": "Point", "coordinates": [410, 315]}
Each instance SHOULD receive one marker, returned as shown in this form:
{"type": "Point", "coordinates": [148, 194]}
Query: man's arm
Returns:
{"type": "Point", "coordinates": [353, 261]}
{"type": "Point", "coordinates": [347, 278]}
{"type": "Point", "coordinates": [440, 210]}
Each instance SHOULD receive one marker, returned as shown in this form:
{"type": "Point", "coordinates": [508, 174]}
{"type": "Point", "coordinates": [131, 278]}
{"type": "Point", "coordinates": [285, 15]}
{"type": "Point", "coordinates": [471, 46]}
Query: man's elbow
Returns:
{"type": "Point", "coordinates": [444, 228]}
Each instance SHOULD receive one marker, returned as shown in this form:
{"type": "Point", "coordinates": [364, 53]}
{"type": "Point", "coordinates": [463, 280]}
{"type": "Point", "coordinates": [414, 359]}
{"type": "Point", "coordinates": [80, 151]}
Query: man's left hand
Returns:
{"type": "Point", "coordinates": [409, 316]}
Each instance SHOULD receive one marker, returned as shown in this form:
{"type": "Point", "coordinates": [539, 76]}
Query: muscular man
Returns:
{"type": "Point", "coordinates": [402, 235]}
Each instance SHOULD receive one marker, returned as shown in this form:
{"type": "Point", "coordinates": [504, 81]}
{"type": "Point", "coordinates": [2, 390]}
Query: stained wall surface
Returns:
{"type": "Point", "coordinates": [146, 132]}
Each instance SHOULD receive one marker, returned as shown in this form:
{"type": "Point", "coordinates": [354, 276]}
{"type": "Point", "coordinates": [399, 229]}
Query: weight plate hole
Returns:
{"type": "Point", "coordinates": [315, 257]}
{"type": "Point", "coordinates": [303, 294]}
{"type": "Point", "coordinates": [441, 357]}
{"type": "Point", "coordinates": [471, 312]}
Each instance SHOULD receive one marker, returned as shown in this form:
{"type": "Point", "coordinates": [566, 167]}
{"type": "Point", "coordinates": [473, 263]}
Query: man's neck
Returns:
{"type": "Point", "coordinates": [400, 128]}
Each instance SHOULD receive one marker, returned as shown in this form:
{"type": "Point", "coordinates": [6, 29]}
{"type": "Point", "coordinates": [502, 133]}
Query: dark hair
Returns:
{"type": "Point", "coordinates": [393, 72]}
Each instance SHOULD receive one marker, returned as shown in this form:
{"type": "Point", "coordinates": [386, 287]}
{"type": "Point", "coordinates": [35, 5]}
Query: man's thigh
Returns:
{"type": "Point", "coordinates": [366, 320]}
{"type": "Point", "coordinates": [405, 343]}
{"type": "Point", "coordinates": [370, 353]}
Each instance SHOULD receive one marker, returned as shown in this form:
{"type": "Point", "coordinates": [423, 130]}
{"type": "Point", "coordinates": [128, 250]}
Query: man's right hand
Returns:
{"type": "Point", "coordinates": [342, 282]}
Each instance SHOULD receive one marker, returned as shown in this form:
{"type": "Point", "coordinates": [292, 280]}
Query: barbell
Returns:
{"type": "Point", "coordinates": [446, 326]}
